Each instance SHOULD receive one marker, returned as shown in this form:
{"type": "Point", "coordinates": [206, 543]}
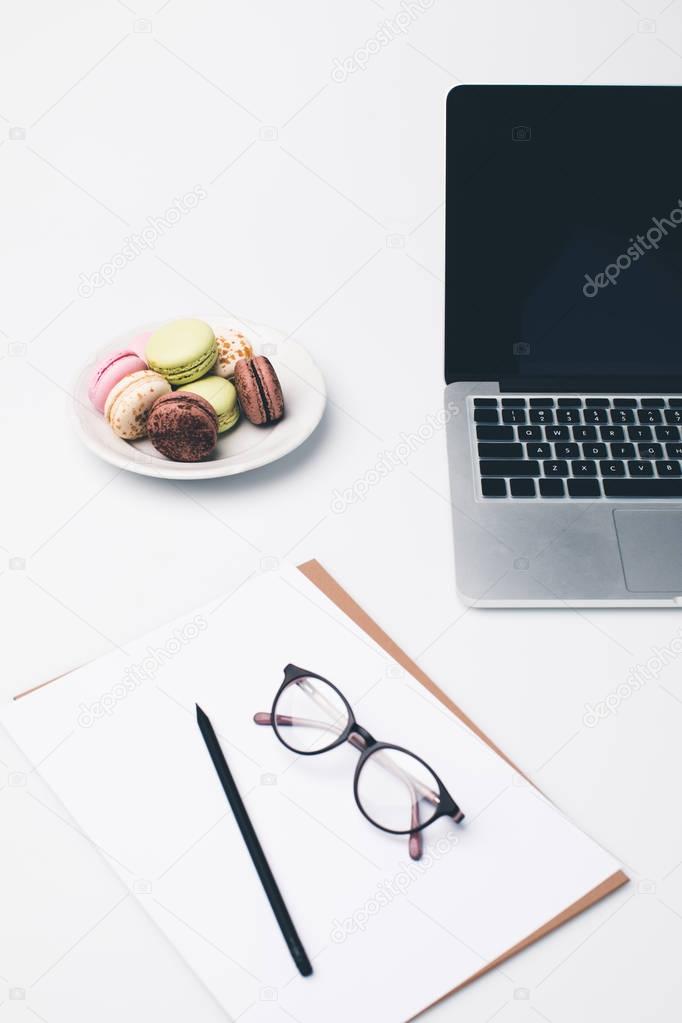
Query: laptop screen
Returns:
{"type": "Point", "coordinates": [564, 236]}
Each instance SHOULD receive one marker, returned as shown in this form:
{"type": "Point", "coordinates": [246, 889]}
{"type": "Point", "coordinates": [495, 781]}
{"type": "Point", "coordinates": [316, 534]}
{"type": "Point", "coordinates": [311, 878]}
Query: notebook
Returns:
{"type": "Point", "coordinates": [117, 741]}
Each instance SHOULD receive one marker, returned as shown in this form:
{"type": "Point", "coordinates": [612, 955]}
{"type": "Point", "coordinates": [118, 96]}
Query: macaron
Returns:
{"type": "Point", "coordinates": [183, 426]}
{"type": "Point", "coordinates": [219, 393]}
{"type": "Point", "coordinates": [109, 371]}
{"type": "Point", "coordinates": [259, 390]}
{"type": "Point", "coordinates": [129, 402]}
{"type": "Point", "coordinates": [232, 345]}
{"type": "Point", "coordinates": [182, 351]}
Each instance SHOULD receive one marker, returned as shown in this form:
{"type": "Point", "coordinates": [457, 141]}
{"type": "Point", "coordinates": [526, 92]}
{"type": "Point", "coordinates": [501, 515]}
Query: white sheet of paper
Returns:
{"type": "Point", "coordinates": [118, 742]}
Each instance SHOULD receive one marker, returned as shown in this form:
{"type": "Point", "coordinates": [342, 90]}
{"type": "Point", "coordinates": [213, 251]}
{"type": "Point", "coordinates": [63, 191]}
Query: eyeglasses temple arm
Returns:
{"type": "Point", "coordinates": [415, 842]}
{"type": "Point", "coordinates": [265, 718]}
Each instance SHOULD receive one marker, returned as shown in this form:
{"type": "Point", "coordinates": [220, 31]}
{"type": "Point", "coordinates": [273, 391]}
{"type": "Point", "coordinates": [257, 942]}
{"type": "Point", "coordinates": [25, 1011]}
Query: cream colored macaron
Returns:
{"type": "Point", "coordinates": [130, 402]}
{"type": "Point", "coordinates": [232, 346]}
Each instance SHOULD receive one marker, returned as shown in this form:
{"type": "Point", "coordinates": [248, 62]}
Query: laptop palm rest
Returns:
{"type": "Point", "coordinates": [650, 545]}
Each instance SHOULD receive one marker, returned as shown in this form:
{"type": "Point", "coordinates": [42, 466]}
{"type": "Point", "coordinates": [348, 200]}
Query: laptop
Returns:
{"type": "Point", "coordinates": [563, 344]}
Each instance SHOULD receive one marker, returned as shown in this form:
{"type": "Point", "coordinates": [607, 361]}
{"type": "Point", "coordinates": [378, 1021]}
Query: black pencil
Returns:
{"type": "Point", "coordinates": [286, 924]}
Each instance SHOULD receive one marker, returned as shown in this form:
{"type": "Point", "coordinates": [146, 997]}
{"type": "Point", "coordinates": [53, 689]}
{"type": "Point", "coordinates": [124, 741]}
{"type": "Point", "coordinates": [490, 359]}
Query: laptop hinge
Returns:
{"type": "Point", "coordinates": [663, 384]}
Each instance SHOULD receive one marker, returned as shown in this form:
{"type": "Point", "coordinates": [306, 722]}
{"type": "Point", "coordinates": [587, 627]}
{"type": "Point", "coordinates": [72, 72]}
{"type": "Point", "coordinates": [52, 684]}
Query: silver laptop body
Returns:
{"type": "Point", "coordinates": [563, 348]}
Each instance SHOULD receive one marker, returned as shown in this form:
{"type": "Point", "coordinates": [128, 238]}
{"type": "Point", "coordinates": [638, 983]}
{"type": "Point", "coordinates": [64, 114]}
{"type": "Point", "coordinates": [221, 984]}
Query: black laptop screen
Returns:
{"type": "Point", "coordinates": [564, 236]}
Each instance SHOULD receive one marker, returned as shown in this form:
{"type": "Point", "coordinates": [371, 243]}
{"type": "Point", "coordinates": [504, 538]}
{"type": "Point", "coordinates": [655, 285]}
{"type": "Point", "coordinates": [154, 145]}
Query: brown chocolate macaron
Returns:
{"type": "Point", "coordinates": [183, 427]}
{"type": "Point", "coordinates": [259, 391]}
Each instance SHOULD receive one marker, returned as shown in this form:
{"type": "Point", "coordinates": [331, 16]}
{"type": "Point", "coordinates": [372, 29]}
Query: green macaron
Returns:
{"type": "Point", "coordinates": [219, 393]}
{"type": "Point", "coordinates": [182, 351]}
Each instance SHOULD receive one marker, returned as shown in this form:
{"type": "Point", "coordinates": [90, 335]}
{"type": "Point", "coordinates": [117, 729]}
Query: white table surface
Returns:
{"type": "Point", "coordinates": [323, 216]}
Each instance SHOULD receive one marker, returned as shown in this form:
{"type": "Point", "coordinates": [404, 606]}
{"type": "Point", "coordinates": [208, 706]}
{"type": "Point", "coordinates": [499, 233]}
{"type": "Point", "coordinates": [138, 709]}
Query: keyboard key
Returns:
{"type": "Point", "coordinates": [643, 489]}
{"type": "Point", "coordinates": [511, 468]}
{"type": "Point", "coordinates": [541, 415]}
{"type": "Point", "coordinates": [611, 433]}
{"type": "Point", "coordinates": [538, 451]}
{"type": "Point", "coordinates": [675, 402]}
{"type": "Point", "coordinates": [667, 432]}
{"type": "Point", "coordinates": [594, 450]}
{"type": "Point", "coordinates": [584, 488]}
{"type": "Point", "coordinates": [609, 468]}
{"type": "Point", "coordinates": [673, 415]}
{"type": "Point", "coordinates": [493, 488]}
{"type": "Point", "coordinates": [513, 403]}
{"type": "Point", "coordinates": [542, 402]}
{"type": "Point", "coordinates": [595, 415]}
{"type": "Point", "coordinates": [641, 468]}
{"type": "Point", "coordinates": [485, 402]}
{"type": "Point", "coordinates": [568, 415]}
{"type": "Point", "coordinates": [530, 433]}
{"type": "Point", "coordinates": [522, 488]}
{"type": "Point", "coordinates": [650, 450]}
{"type": "Point", "coordinates": [620, 450]}
{"type": "Point", "coordinates": [495, 432]}
{"type": "Point", "coordinates": [584, 433]}
{"type": "Point", "coordinates": [513, 415]}
{"type": "Point", "coordinates": [551, 488]}
{"type": "Point", "coordinates": [557, 432]}
{"type": "Point", "coordinates": [500, 451]}
{"type": "Point", "coordinates": [639, 432]}
{"type": "Point", "coordinates": [554, 467]}
{"type": "Point", "coordinates": [486, 415]}
{"type": "Point", "coordinates": [668, 469]}
{"type": "Point", "coordinates": [581, 467]}
{"type": "Point", "coordinates": [567, 451]}
{"type": "Point", "coordinates": [673, 450]}
{"type": "Point", "coordinates": [625, 402]}
{"type": "Point", "coordinates": [649, 415]}
{"type": "Point", "coordinates": [622, 415]}
{"type": "Point", "coordinates": [570, 402]}
{"type": "Point", "coordinates": [653, 403]}
{"type": "Point", "coordinates": [597, 402]}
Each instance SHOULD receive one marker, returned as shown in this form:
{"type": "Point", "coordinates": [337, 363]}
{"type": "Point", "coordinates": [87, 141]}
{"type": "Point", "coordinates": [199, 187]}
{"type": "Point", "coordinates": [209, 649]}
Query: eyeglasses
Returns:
{"type": "Point", "coordinates": [395, 790]}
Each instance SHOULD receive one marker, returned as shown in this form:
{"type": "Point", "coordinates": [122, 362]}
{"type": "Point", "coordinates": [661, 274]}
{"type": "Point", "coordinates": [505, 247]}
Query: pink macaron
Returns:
{"type": "Point", "coordinates": [259, 390]}
{"type": "Point", "coordinates": [109, 372]}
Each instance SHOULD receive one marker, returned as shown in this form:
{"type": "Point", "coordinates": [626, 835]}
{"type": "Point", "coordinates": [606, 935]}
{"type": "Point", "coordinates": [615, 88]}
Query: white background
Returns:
{"type": "Point", "coordinates": [323, 217]}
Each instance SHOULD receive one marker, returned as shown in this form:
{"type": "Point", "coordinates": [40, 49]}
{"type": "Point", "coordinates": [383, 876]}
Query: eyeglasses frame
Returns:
{"type": "Point", "coordinates": [447, 806]}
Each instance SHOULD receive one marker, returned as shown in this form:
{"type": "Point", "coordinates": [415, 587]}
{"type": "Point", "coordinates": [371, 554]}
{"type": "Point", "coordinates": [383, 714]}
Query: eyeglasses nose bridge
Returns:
{"type": "Point", "coordinates": [366, 736]}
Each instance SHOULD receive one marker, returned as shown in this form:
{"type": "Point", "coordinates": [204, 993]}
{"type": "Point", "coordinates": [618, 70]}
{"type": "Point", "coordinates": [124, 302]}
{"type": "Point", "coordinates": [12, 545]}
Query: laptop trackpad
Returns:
{"type": "Point", "coordinates": [650, 542]}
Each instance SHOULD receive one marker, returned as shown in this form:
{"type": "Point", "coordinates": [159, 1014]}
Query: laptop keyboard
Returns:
{"type": "Point", "coordinates": [587, 448]}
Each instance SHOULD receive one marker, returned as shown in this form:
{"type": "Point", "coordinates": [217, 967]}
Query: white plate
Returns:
{"type": "Point", "coordinates": [240, 449]}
